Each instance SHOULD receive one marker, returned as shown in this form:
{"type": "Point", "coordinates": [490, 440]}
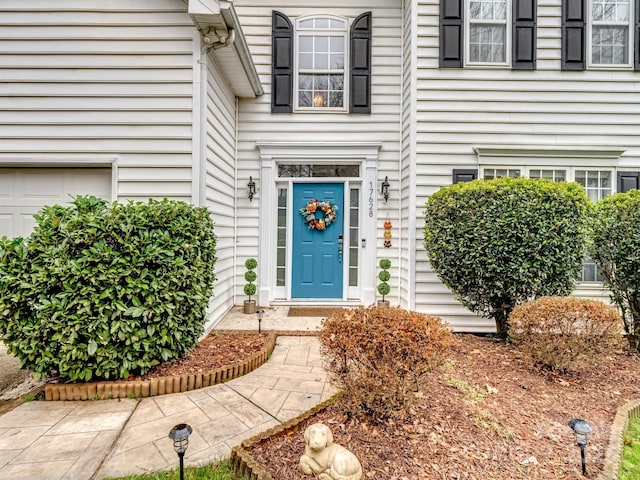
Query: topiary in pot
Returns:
{"type": "Point", "coordinates": [250, 288]}
{"type": "Point", "coordinates": [384, 288]}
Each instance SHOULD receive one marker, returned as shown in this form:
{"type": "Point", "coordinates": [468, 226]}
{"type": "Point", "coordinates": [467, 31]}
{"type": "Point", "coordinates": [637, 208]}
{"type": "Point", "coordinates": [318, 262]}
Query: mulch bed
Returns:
{"type": "Point", "coordinates": [484, 415]}
{"type": "Point", "coordinates": [216, 350]}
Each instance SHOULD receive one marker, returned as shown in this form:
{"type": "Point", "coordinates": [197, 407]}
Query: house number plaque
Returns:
{"type": "Point", "coordinates": [370, 199]}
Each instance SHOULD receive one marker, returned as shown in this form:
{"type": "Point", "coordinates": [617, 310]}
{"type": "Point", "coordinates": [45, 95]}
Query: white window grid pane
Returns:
{"type": "Point", "coordinates": [610, 32]}
{"type": "Point", "coordinates": [322, 23]}
{"type": "Point", "coordinates": [487, 43]}
{"type": "Point", "coordinates": [314, 53]}
{"type": "Point", "coordinates": [281, 257]}
{"type": "Point", "coordinates": [590, 272]}
{"type": "Point", "coordinates": [609, 45]}
{"type": "Point", "coordinates": [321, 91]}
{"type": "Point", "coordinates": [321, 57]}
{"type": "Point", "coordinates": [610, 11]}
{"type": "Point", "coordinates": [491, 173]}
{"type": "Point", "coordinates": [597, 183]}
{"type": "Point", "coordinates": [354, 234]}
{"type": "Point", "coordinates": [549, 174]}
{"type": "Point", "coordinates": [488, 10]}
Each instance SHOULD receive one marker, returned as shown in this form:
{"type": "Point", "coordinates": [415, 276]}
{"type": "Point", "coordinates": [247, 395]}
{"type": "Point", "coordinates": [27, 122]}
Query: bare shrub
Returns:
{"type": "Point", "coordinates": [565, 333]}
{"type": "Point", "coordinates": [378, 355]}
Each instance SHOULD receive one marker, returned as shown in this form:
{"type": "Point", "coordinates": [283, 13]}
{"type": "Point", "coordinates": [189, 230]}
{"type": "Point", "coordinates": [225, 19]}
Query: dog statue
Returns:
{"type": "Point", "coordinates": [326, 459]}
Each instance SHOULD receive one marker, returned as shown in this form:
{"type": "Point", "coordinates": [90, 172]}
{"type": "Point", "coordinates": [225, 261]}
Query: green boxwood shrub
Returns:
{"type": "Point", "coordinates": [500, 242]}
{"type": "Point", "coordinates": [105, 291]}
{"type": "Point", "coordinates": [616, 250]}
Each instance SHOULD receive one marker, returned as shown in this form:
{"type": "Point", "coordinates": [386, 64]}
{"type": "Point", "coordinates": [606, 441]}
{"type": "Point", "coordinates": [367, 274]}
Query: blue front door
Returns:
{"type": "Point", "coordinates": [316, 266]}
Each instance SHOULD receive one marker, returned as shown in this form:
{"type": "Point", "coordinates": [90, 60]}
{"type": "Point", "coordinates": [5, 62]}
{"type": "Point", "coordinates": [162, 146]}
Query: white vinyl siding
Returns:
{"type": "Point", "coordinates": [257, 124]}
{"type": "Point", "coordinates": [458, 109]}
{"type": "Point", "coordinates": [219, 179]}
{"type": "Point", "coordinates": [95, 78]}
{"type": "Point", "coordinates": [408, 205]}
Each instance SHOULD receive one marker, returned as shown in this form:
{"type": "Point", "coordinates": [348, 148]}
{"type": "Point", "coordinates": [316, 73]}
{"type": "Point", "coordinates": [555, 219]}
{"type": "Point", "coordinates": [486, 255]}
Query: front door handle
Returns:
{"type": "Point", "coordinates": [340, 242]}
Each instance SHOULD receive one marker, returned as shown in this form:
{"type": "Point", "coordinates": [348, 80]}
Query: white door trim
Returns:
{"type": "Point", "coordinates": [271, 153]}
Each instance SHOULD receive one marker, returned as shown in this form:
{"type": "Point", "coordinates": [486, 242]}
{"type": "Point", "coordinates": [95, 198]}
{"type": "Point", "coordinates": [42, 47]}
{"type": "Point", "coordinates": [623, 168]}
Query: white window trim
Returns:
{"type": "Point", "coordinates": [630, 47]}
{"type": "Point", "coordinates": [507, 37]}
{"type": "Point", "coordinates": [347, 63]}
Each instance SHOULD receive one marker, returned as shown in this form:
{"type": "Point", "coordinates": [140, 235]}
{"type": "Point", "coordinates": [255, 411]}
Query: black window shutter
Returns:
{"type": "Point", "coordinates": [282, 63]}
{"type": "Point", "coordinates": [524, 35]}
{"type": "Point", "coordinates": [451, 33]}
{"type": "Point", "coordinates": [628, 181]}
{"type": "Point", "coordinates": [464, 174]}
{"type": "Point", "coordinates": [573, 34]}
{"type": "Point", "coordinates": [360, 72]}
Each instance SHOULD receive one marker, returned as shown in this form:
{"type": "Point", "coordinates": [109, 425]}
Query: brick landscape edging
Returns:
{"type": "Point", "coordinates": [159, 386]}
{"type": "Point", "coordinates": [248, 467]}
{"type": "Point", "coordinates": [613, 457]}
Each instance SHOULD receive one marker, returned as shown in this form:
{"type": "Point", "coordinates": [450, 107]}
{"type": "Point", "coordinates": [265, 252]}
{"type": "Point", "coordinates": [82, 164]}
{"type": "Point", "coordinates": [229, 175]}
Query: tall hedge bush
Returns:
{"type": "Point", "coordinates": [616, 250]}
{"type": "Point", "coordinates": [104, 291]}
{"type": "Point", "coordinates": [500, 242]}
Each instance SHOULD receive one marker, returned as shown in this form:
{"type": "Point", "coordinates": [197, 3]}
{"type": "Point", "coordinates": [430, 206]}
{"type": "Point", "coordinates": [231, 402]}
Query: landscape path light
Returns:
{"type": "Point", "coordinates": [260, 314]}
{"type": "Point", "coordinates": [180, 436]}
{"type": "Point", "coordinates": [582, 429]}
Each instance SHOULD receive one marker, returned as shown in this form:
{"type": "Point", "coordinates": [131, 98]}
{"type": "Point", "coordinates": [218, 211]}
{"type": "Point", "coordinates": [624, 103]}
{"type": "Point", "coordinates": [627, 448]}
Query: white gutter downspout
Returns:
{"type": "Point", "coordinates": [197, 114]}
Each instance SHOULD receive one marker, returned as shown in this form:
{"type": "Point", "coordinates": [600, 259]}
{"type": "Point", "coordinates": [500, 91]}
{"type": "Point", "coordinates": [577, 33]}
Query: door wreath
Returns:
{"type": "Point", "coordinates": [328, 210]}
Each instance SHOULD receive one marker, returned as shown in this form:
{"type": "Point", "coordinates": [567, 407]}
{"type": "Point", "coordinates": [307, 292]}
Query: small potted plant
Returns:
{"type": "Point", "coordinates": [384, 276]}
{"type": "Point", "coordinates": [250, 287]}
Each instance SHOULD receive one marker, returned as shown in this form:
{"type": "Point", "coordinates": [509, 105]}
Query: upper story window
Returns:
{"type": "Point", "coordinates": [599, 33]}
{"type": "Point", "coordinates": [321, 44]}
{"type": "Point", "coordinates": [331, 67]}
{"type": "Point", "coordinates": [610, 23]}
{"type": "Point", "coordinates": [488, 34]}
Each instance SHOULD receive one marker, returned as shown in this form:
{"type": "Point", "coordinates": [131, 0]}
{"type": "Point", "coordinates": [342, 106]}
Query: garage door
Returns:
{"type": "Point", "coordinates": [24, 191]}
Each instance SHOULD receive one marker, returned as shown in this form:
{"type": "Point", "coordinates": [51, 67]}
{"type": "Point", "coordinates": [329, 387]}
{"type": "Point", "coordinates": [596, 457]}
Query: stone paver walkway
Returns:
{"type": "Point", "coordinates": [96, 439]}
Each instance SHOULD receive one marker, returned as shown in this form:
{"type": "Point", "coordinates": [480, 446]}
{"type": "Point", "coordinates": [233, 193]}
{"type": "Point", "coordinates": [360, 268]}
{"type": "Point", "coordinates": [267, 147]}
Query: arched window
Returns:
{"type": "Point", "coordinates": [321, 51]}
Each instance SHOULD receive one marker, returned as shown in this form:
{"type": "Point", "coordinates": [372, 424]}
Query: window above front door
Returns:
{"type": "Point", "coordinates": [321, 44]}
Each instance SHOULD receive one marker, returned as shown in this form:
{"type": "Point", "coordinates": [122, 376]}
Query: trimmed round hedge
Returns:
{"type": "Point", "coordinates": [500, 242]}
{"type": "Point", "coordinates": [105, 291]}
{"type": "Point", "coordinates": [616, 243]}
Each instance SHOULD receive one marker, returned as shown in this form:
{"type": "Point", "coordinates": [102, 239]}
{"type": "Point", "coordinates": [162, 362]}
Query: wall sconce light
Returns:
{"type": "Point", "coordinates": [252, 188]}
{"type": "Point", "coordinates": [582, 429]}
{"type": "Point", "coordinates": [384, 189]}
{"type": "Point", "coordinates": [260, 314]}
{"type": "Point", "coordinates": [180, 436]}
